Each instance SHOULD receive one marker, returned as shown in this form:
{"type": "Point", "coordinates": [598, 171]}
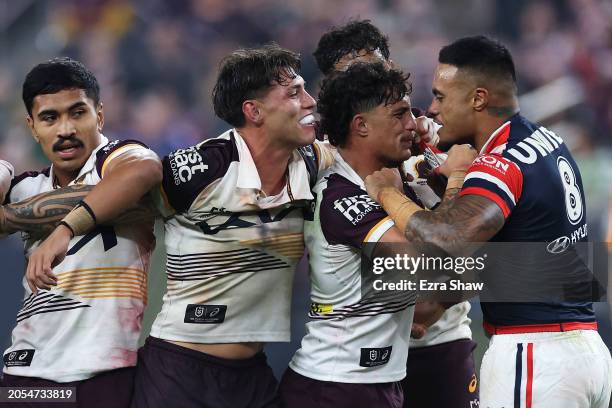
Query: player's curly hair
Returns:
{"type": "Point", "coordinates": [361, 88]}
{"type": "Point", "coordinates": [350, 38]}
{"type": "Point", "coordinates": [56, 75]}
{"type": "Point", "coordinates": [249, 73]}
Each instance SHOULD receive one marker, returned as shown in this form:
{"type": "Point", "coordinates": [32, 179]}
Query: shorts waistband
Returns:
{"type": "Point", "coordinates": [256, 360]}
{"type": "Point", "coordinates": [539, 328]}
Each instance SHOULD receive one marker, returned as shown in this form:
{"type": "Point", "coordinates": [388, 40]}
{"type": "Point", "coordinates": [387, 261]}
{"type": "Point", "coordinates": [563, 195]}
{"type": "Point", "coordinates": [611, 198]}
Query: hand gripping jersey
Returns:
{"type": "Point", "coordinates": [349, 339]}
{"type": "Point", "coordinates": [454, 324]}
{"type": "Point", "coordinates": [530, 174]}
{"type": "Point", "coordinates": [90, 322]}
{"type": "Point", "coordinates": [231, 251]}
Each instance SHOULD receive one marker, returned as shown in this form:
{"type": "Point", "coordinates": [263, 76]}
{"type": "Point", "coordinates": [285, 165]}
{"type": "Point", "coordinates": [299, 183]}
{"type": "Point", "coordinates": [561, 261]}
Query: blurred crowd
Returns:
{"type": "Point", "coordinates": [156, 60]}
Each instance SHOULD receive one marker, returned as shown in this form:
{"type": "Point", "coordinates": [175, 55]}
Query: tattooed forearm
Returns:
{"type": "Point", "coordinates": [448, 199]}
{"type": "Point", "coordinates": [42, 212]}
{"type": "Point", "coordinates": [458, 225]}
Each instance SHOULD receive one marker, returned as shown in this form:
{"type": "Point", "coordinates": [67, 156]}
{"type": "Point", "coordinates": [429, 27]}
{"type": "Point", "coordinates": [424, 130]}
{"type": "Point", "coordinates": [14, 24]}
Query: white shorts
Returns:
{"type": "Point", "coordinates": [571, 369]}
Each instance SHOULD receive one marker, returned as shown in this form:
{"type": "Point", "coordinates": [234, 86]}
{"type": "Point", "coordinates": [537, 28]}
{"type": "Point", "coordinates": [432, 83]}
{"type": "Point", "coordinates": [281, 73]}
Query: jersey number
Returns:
{"type": "Point", "coordinates": [109, 239]}
{"type": "Point", "coordinates": [573, 199]}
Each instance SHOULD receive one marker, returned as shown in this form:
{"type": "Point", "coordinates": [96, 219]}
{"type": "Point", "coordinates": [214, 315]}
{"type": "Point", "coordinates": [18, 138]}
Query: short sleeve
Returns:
{"type": "Point", "coordinates": [349, 216]}
{"type": "Point", "coordinates": [495, 178]}
{"type": "Point", "coordinates": [187, 172]}
{"type": "Point", "coordinates": [113, 150]}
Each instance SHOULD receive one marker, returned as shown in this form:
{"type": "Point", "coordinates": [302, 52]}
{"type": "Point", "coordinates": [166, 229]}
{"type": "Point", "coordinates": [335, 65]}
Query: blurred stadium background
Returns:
{"type": "Point", "coordinates": [156, 61]}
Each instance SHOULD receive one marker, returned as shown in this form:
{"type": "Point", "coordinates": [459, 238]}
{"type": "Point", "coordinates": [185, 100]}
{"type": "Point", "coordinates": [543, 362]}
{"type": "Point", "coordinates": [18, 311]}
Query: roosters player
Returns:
{"type": "Point", "coordinates": [524, 186]}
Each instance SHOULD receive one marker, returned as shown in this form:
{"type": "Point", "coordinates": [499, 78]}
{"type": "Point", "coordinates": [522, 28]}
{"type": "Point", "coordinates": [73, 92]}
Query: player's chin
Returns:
{"type": "Point", "coordinates": [307, 134]}
{"type": "Point", "coordinates": [446, 140]}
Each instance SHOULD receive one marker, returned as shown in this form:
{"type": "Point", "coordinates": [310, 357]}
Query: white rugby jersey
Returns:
{"type": "Point", "coordinates": [349, 338]}
{"type": "Point", "coordinates": [231, 251]}
{"type": "Point", "coordinates": [90, 322]}
{"type": "Point", "coordinates": [454, 324]}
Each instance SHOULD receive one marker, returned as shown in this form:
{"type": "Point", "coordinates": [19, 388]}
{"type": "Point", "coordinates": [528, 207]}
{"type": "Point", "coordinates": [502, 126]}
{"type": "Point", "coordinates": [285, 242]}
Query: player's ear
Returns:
{"type": "Point", "coordinates": [30, 123]}
{"type": "Point", "coordinates": [480, 99]}
{"type": "Point", "coordinates": [359, 125]}
{"type": "Point", "coordinates": [252, 111]}
{"type": "Point", "coordinates": [100, 117]}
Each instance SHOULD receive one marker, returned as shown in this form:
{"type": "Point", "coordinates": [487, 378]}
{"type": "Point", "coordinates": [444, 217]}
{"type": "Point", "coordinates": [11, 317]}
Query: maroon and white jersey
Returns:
{"type": "Point", "coordinates": [90, 322]}
{"type": "Point", "coordinates": [349, 338]}
{"type": "Point", "coordinates": [231, 250]}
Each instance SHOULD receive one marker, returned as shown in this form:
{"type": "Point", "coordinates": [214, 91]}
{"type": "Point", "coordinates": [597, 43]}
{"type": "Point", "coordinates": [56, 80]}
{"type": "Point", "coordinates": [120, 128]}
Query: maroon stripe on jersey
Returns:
{"type": "Point", "coordinates": [106, 151]}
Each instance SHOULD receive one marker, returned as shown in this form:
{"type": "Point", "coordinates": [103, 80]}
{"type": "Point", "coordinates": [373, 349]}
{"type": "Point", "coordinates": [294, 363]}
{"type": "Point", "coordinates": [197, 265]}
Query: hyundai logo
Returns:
{"type": "Point", "coordinates": [559, 245]}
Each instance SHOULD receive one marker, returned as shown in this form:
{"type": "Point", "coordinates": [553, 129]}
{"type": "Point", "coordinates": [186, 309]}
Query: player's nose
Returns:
{"type": "Point", "coordinates": [65, 128]}
{"type": "Point", "coordinates": [308, 102]}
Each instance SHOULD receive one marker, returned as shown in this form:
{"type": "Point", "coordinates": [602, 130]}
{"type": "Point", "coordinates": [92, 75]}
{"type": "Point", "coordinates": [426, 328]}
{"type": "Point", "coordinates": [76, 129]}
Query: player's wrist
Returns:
{"type": "Point", "coordinates": [80, 220]}
{"type": "Point", "coordinates": [456, 179]}
{"type": "Point", "coordinates": [399, 207]}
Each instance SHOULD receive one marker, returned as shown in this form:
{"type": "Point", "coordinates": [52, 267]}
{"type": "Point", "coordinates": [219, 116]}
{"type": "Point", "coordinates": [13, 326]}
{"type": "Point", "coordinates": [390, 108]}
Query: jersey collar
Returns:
{"type": "Point", "coordinates": [248, 176]}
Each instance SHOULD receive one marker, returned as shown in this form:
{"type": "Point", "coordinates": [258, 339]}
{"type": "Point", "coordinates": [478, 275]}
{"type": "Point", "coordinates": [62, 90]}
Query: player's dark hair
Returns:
{"type": "Point", "coordinates": [481, 55]}
{"type": "Point", "coordinates": [248, 74]}
{"type": "Point", "coordinates": [361, 88]}
{"type": "Point", "coordinates": [350, 38]}
{"type": "Point", "coordinates": [57, 75]}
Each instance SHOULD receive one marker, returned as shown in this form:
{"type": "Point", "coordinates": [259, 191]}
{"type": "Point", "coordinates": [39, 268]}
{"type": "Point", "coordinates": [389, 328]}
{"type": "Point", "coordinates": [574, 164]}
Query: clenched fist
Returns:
{"type": "Point", "coordinates": [460, 157]}
{"type": "Point", "coordinates": [385, 178]}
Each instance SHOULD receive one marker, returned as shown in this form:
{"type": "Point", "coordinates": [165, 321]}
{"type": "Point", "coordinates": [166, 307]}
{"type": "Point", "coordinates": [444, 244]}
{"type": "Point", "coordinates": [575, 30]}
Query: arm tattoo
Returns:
{"type": "Point", "coordinates": [456, 225]}
{"type": "Point", "coordinates": [449, 199]}
{"type": "Point", "coordinates": [42, 212]}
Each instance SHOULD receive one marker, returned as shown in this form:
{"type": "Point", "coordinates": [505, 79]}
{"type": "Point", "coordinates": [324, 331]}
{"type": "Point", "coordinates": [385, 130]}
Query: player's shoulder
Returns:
{"type": "Point", "coordinates": [342, 195]}
{"type": "Point", "coordinates": [27, 184]}
{"type": "Point", "coordinates": [189, 171]}
{"type": "Point", "coordinates": [205, 161]}
{"type": "Point", "coordinates": [114, 148]}
{"type": "Point", "coordinates": [336, 185]}
{"type": "Point", "coordinates": [528, 142]}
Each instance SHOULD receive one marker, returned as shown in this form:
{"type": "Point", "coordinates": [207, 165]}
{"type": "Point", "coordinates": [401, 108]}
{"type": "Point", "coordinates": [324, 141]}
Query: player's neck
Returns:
{"type": "Point", "coordinates": [486, 128]}
{"type": "Point", "coordinates": [61, 178]}
{"type": "Point", "coordinates": [364, 163]}
{"type": "Point", "coordinates": [271, 161]}
{"type": "Point", "coordinates": [492, 118]}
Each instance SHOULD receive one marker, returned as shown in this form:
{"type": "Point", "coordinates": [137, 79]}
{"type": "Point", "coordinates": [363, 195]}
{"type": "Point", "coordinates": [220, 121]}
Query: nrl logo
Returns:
{"type": "Point", "coordinates": [559, 245]}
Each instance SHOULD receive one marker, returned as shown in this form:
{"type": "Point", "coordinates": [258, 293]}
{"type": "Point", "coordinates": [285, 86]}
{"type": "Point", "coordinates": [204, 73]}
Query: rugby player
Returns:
{"type": "Point", "coordinates": [441, 356]}
{"type": "Point", "coordinates": [234, 208]}
{"type": "Point", "coordinates": [355, 349]}
{"type": "Point", "coordinates": [84, 332]}
{"type": "Point", "coordinates": [523, 187]}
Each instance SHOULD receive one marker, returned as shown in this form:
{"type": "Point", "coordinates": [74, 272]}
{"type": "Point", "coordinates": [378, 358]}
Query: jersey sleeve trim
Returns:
{"type": "Point", "coordinates": [488, 194]}
{"type": "Point", "coordinates": [378, 230]}
{"type": "Point", "coordinates": [492, 179]}
{"type": "Point", "coordinates": [119, 151]}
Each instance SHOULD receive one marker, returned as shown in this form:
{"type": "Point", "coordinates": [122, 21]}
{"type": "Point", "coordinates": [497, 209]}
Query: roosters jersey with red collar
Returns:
{"type": "Point", "coordinates": [530, 174]}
